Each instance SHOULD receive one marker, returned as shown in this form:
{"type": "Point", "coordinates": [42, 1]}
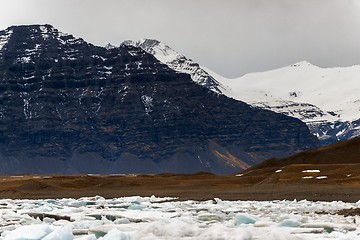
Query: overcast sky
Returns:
{"type": "Point", "coordinates": [231, 37]}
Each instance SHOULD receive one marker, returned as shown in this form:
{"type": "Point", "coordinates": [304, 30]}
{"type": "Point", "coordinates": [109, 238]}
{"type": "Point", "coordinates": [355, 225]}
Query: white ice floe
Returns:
{"type": "Point", "coordinates": [129, 218]}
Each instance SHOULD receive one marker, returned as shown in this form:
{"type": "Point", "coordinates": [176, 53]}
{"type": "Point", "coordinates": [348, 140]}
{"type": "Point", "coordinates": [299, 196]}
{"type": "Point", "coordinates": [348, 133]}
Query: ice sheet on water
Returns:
{"type": "Point", "coordinates": [159, 218]}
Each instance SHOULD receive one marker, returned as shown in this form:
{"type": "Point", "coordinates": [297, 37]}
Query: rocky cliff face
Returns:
{"type": "Point", "coordinates": [326, 126]}
{"type": "Point", "coordinates": [67, 106]}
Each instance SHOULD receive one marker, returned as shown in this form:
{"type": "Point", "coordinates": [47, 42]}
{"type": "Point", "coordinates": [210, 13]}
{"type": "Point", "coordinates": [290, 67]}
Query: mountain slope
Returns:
{"type": "Point", "coordinates": [67, 106]}
{"type": "Point", "coordinates": [178, 62]}
{"type": "Point", "coordinates": [325, 99]}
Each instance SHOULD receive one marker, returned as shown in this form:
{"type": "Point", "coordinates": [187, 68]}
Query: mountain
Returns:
{"type": "Point", "coordinates": [325, 99]}
{"type": "Point", "coordinates": [67, 106]}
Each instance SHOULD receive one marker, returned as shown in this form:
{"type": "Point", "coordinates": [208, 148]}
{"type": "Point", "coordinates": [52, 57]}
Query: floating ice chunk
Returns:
{"type": "Point", "coordinates": [29, 232]}
{"type": "Point", "coordinates": [136, 206]}
{"type": "Point", "coordinates": [289, 223]}
{"type": "Point", "coordinates": [209, 218]}
{"type": "Point", "coordinates": [307, 231]}
{"type": "Point", "coordinates": [64, 233]}
{"type": "Point", "coordinates": [264, 224]}
{"type": "Point", "coordinates": [328, 227]}
{"type": "Point", "coordinates": [122, 221]}
{"type": "Point", "coordinates": [48, 220]}
{"type": "Point", "coordinates": [321, 177]}
{"type": "Point", "coordinates": [311, 171]}
{"type": "Point", "coordinates": [103, 230]}
{"type": "Point", "coordinates": [116, 234]}
{"type": "Point", "coordinates": [244, 218]}
{"type": "Point", "coordinates": [146, 216]}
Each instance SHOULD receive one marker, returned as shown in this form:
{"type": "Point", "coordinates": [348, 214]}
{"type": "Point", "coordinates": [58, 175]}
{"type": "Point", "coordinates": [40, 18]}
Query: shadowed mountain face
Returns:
{"type": "Point", "coordinates": [67, 106]}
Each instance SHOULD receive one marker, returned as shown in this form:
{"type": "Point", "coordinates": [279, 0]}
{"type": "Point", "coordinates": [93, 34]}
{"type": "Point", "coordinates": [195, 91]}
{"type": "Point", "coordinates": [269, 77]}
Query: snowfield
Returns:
{"type": "Point", "coordinates": [165, 218]}
{"type": "Point", "coordinates": [333, 90]}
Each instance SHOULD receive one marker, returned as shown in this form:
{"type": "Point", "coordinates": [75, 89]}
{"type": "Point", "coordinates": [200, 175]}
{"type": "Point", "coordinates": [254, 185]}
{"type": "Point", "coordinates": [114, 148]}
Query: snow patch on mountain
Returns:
{"type": "Point", "coordinates": [178, 62]}
{"type": "Point", "coordinates": [4, 38]}
{"type": "Point", "coordinates": [109, 46]}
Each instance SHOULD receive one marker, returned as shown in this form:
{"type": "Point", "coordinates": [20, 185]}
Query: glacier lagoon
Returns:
{"type": "Point", "coordinates": [91, 218]}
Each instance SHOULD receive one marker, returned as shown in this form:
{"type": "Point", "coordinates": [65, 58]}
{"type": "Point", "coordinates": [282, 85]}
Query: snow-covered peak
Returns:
{"type": "Point", "coordinates": [50, 30]}
{"type": "Point", "coordinates": [109, 46]}
{"type": "Point", "coordinates": [158, 49]}
{"type": "Point", "coordinates": [178, 62]}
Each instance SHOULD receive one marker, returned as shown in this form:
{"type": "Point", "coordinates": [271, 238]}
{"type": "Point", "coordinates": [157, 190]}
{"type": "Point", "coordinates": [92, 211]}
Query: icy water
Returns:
{"type": "Point", "coordinates": [165, 218]}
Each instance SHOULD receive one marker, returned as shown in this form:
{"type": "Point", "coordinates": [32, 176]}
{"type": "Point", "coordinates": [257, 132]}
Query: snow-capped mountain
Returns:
{"type": "Point", "coordinates": [178, 62]}
{"type": "Point", "coordinates": [326, 99]}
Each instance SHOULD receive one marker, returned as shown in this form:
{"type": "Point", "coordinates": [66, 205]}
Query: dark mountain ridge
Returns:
{"type": "Point", "coordinates": [67, 106]}
{"type": "Point", "coordinates": [342, 152]}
